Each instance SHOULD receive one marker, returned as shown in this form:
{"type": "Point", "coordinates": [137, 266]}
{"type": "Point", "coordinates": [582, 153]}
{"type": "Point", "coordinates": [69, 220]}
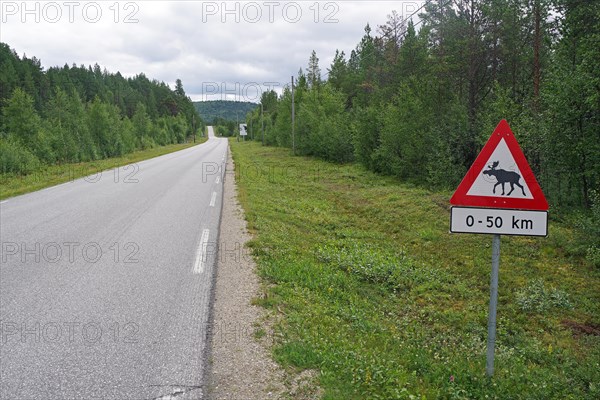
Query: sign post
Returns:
{"type": "Point", "coordinates": [243, 132]}
{"type": "Point", "coordinates": [491, 343]}
{"type": "Point", "coordinates": [499, 196]}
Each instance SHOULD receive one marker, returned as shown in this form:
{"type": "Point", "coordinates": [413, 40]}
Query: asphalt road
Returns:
{"type": "Point", "coordinates": [105, 282]}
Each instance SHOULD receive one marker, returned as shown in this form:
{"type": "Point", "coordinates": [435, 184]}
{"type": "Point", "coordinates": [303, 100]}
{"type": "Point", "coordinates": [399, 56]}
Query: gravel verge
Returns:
{"type": "Point", "coordinates": [240, 365]}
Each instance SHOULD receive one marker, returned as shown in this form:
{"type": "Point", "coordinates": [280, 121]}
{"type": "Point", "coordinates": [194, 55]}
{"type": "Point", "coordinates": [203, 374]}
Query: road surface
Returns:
{"type": "Point", "coordinates": [105, 282]}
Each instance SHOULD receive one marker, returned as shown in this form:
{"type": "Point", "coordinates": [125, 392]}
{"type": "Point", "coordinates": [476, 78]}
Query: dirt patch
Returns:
{"type": "Point", "coordinates": [582, 329]}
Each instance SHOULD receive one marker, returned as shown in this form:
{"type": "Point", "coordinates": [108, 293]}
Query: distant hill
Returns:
{"type": "Point", "coordinates": [209, 110]}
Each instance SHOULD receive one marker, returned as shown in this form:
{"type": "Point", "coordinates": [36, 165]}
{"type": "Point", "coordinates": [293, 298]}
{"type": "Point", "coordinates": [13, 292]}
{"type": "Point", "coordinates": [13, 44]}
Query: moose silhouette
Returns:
{"type": "Point", "coordinates": [503, 176]}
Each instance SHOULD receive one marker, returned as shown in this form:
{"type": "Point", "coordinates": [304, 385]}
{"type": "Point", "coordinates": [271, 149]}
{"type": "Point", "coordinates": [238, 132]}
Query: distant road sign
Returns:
{"type": "Point", "coordinates": [498, 221]}
{"type": "Point", "coordinates": [243, 131]}
{"type": "Point", "coordinates": [500, 177]}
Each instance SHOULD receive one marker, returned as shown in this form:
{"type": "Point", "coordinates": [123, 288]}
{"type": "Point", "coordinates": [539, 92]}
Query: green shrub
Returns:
{"type": "Point", "coordinates": [593, 255]}
{"type": "Point", "coordinates": [397, 272]}
{"type": "Point", "coordinates": [536, 297]}
{"type": "Point", "coordinates": [591, 228]}
{"type": "Point", "coordinates": [16, 159]}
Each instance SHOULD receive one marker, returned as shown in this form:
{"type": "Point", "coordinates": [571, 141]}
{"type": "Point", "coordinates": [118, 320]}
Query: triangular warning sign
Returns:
{"type": "Point", "coordinates": [500, 177]}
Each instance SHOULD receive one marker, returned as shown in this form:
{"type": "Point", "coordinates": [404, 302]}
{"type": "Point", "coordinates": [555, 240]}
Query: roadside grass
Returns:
{"type": "Point", "coordinates": [376, 294]}
{"type": "Point", "coordinates": [13, 185]}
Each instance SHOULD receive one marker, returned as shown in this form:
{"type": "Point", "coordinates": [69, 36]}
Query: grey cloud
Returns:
{"type": "Point", "coordinates": [172, 41]}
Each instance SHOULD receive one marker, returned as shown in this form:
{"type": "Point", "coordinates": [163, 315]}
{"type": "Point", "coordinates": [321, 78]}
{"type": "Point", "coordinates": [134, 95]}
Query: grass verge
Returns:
{"type": "Point", "coordinates": [376, 294]}
{"type": "Point", "coordinates": [13, 185]}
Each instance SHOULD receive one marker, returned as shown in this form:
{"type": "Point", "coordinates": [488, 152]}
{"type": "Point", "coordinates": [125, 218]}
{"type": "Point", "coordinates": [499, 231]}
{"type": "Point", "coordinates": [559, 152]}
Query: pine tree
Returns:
{"type": "Point", "coordinates": [338, 70]}
{"type": "Point", "coordinates": [179, 88]}
{"type": "Point", "coordinates": [20, 117]}
{"type": "Point", "coordinates": [313, 72]}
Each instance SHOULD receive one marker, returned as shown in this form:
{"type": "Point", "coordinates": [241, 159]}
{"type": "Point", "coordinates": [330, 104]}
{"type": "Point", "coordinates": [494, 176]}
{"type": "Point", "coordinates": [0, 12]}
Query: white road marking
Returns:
{"type": "Point", "coordinates": [218, 180]}
{"type": "Point", "coordinates": [3, 201]}
{"type": "Point", "coordinates": [176, 392]}
{"type": "Point", "coordinates": [213, 199]}
{"type": "Point", "coordinates": [201, 252]}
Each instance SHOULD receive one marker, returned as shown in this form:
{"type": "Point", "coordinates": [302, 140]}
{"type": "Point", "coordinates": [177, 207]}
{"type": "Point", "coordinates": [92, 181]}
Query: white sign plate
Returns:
{"type": "Point", "coordinates": [499, 221]}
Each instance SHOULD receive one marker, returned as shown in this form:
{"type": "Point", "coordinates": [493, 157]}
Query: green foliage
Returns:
{"type": "Point", "coordinates": [398, 272]}
{"type": "Point", "coordinates": [442, 170]}
{"type": "Point", "coordinates": [324, 129]}
{"type": "Point", "coordinates": [15, 158]}
{"type": "Point", "coordinates": [593, 255]}
{"type": "Point", "coordinates": [369, 289]}
{"type": "Point", "coordinates": [71, 140]}
{"type": "Point", "coordinates": [420, 105]}
{"type": "Point", "coordinates": [225, 128]}
{"type": "Point", "coordinates": [537, 297]}
{"type": "Point", "coordinates": [74, 114]}
{"type": "Point", "coordinates": [590, 229]}
{"type": "Point", "coordinates": [142, 125]}
{"type": "Point", "coordinates": [19, 117]}
{"type": "Point", "coordinates": [313, 72]}
{"type": "Point", "coordinates": [405, 139]}
{"type": "Point", "coordinates": [41, 176]}
{"type": "Point", "coordinates": [211, 110]}
{"type": "Point", "coordinates": [367, 124]}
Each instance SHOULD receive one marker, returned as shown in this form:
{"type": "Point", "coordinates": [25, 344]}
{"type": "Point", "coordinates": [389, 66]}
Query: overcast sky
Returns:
{"type": "Point", "coordinates": [220, 50]}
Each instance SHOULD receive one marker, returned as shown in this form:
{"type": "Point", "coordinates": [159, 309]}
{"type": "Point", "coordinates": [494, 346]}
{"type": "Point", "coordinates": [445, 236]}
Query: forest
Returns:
{"type": "Point", "coordinates": [419, 100]}
{"type": "Point", "coordinates": [217, 112]}
{"type": "Point", "coordinates": [76, 113]}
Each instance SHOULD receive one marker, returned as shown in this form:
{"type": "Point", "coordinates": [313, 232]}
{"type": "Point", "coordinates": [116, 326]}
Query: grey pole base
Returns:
{"type": "Point", "coordinates": [491, 343]}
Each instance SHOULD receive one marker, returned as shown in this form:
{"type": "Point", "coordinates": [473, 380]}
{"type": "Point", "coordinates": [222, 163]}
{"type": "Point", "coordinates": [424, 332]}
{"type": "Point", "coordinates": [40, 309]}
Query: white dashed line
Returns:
{"type": "Point", "coordinates": [218, 180]}
{"type": "Point", "coordinates": [213, 199]}
{"type": "Point", "coordinates": [3, 201]}
{"type": "Point", "coordinates": [201, 252]}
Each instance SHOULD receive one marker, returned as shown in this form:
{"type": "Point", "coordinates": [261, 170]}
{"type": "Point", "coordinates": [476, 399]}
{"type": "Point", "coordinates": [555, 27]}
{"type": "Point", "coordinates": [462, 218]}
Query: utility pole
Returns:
{"type": "Point", "coordinates": [194, 127]}
{"type": "Point", "coordinates": [293, 120]}
{"type": "Point", "coordinates": [262, 120]}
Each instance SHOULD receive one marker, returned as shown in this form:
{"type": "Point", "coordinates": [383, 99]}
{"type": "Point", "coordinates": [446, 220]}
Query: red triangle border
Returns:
{"type": "Point", "coordinates": [460, 197]}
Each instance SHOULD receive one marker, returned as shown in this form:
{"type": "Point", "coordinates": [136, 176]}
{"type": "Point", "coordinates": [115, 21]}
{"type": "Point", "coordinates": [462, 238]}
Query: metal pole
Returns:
{"type": "Point", "coordinates": [262, 120]}
{"type": "Point", "coordinates": [489, 366]}
{"type": "Point", "coordinates": [293, 120]}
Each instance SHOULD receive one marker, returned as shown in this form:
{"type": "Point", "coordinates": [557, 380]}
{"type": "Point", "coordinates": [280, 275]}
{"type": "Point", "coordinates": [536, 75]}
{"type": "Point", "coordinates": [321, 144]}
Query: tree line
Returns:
{"type": "Point", "coordinates": [216, 111]}
{"type": "Point", "coordinates": [419, 102]}
{"type": "Point", "coordinates": [73, 114]}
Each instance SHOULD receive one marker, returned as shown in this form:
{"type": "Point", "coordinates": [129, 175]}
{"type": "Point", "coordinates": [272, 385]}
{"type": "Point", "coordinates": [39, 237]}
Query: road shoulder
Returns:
{"type": "Point", "coordinates": [240, 366]}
